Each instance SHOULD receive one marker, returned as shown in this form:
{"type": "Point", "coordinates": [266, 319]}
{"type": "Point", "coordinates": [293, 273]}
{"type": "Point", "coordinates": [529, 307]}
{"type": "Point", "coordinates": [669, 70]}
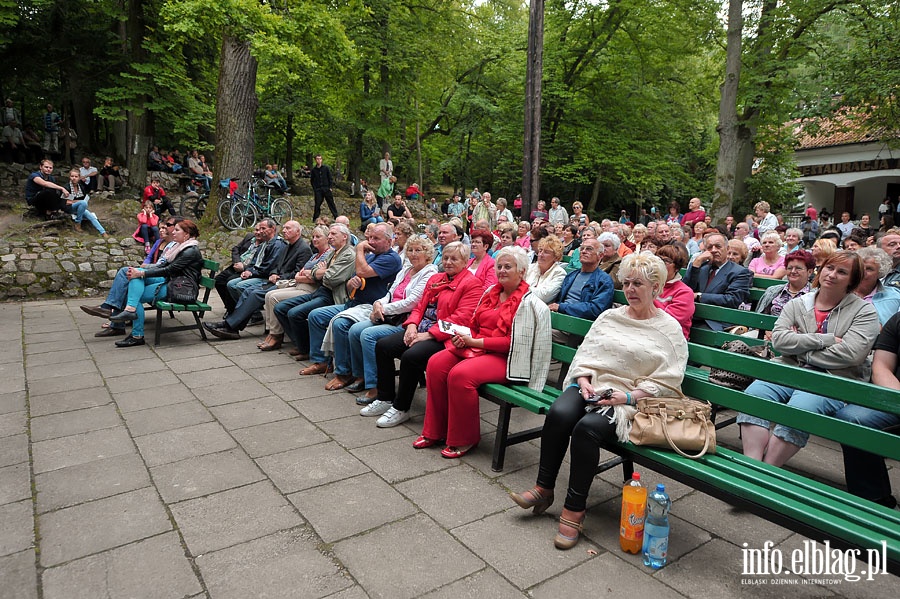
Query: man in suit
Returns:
{"type": "Point", "coordinates": [291, 260]}
{"type": "Point", "coordinates": [716, 280]}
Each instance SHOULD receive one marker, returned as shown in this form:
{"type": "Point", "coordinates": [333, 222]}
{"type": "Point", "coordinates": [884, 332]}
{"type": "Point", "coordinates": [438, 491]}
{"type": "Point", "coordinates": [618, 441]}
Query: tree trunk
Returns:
{"type": "Point", "coordinates": [289, 149]}
{"type": "Point", "coordinates": [236, 106]}
{"type": "Point", "coordinates": [595, 195]}
{"type": "Point", "coordinates": [137, 124]}
{"type": "Point", "coordinates": [531, 164]}
{"type": "Point", "coordinates": [729, 127]}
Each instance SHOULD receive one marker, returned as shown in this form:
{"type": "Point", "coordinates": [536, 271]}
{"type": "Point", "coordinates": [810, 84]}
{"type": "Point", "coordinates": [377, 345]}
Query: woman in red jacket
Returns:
{"type": "Point", "coordinates": [450, 296]}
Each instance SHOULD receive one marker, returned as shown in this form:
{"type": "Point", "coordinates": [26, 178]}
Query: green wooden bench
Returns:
{"type": "Point", "coordinates": [788, 498]}
{"type": "Point", "coordinates": [197, 309]}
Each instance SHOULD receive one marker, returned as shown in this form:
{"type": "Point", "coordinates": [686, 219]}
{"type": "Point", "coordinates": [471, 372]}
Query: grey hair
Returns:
{"type": "Point", "coordinates": [795, 231]}
{"type": "Point", "coordinates": [321, 230]}
{"type": "Point", "coordinates": [610, 237]}
{"type": "Point", "coordinates": [647, 266]}
{"type": "Point", "coordinates": [269, 223]}
{"type": "Point", "coordinates": [771, 235]}
{"type": "Point", "coordinates": [342, 228]}
{"type": "Point", "coordinates": [881, 257]}
{"type": "Point", "coordinates": [517, 253]}
{"type": "Point", "coordinates": [458, 246]}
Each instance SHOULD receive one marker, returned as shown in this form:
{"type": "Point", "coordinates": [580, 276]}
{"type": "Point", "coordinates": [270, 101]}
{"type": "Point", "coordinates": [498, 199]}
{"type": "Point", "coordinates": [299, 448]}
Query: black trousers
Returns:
{"type": "Point", "coordinates": [568, 424]}
{"type": "Point", "coordinates": [222, 287]}
{"type": "Point", "coordinates": [324, 194]}
{"type": "Point", "coordinates": [48, 200]}
{"type": "Point", "coordinates": [867, 476]}
{"type": "Point", "coordinates": [413, 361]}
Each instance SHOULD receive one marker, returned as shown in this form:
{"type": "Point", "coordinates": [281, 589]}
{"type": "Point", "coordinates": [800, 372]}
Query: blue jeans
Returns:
{"type": "Point", "coordinates": [118, 295]}
{"type": "Point", "coordinates": [140, 291]}
{"type": "Point", "coordinates": [81, 212]}
{"type": "Point", "coordinates": [293, 313]}
{"type": "Point", "coordinates": [811, 403]}
{"type": "Point", "coordinates": [149, 234]}
{"type": "Point", "coordinates": [361, 339]}
{"type": "Point", "coordinates": [318, 324]}
{"type": "Point", "coordinates": [237, 286]}
{"type": "Point", "coordinates": [369, 221]}
{"type": "Point", "coordinates": [251, 301]}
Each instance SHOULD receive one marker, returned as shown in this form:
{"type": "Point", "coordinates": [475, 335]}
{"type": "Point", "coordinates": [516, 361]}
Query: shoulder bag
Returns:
{"type": "Point", "coordinates": [680, 423]}
{"type": "Point", "coordinates": [182, 290]}
{"type": "Point", "coordinates": [733, 380]}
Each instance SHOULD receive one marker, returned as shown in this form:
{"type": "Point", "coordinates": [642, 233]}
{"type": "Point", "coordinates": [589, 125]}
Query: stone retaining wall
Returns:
{"type": "Point", "coordinates": [49, 266]}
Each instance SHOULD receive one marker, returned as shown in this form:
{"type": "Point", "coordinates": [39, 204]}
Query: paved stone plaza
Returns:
{"type": "Point", "coordinates": [213, 470]}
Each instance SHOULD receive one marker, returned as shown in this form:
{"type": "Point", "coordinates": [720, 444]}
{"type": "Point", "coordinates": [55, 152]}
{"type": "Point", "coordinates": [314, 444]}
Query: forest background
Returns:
{"type": "Point", "coordinates": [644, 101]}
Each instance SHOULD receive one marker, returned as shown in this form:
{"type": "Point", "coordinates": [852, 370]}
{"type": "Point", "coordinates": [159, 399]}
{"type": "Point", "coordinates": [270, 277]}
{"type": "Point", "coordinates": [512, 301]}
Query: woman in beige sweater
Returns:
{"type": "Point", "coordinates": [625, 353]}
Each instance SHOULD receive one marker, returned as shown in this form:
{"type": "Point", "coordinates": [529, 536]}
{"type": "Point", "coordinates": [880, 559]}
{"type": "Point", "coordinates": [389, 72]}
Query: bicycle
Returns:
{"type": "Point", "coordinates": [193, 203]}
{"type": "Point", "coordinates": [247, 210]}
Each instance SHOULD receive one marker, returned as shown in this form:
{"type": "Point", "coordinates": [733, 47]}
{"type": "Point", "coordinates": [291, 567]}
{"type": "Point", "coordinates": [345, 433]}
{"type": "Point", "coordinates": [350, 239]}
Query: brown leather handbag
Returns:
{"type": "Point", "coordinates": [733, 380]}
{"type": "Point", "coordinates": [679, 423]}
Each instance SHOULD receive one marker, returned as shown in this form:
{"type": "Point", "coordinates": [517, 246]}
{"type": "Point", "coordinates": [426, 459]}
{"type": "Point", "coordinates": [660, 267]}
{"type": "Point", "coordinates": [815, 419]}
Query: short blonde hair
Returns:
{"type": "Point", "coordinates": [577, 204]}
{"type": "Point", "coordinates": [422, 242]}
{"type": "Point", "coordinates": [552, 243]}
{"type": "Point", "coordinates": [647, 266]}
{"type": "Point", "coordinates": [459, 247]}
{"type": "Point", "coordinates": [771, 235]}
{"type": "Point", "coordinates": [740, 246]}
{"type": "Point", "coordinates": [764, 206]}
{"type": "Point", "coordinates": [827, 246]}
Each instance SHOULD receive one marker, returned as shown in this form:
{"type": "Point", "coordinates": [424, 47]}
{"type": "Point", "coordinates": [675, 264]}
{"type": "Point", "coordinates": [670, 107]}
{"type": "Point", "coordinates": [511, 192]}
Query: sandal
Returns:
{"type": "Point", "coordinates": [338, 382]}
{"type": "Point", "coordinates": [540, 500]}
{"type": "Point", "coordinates": [564, 541]}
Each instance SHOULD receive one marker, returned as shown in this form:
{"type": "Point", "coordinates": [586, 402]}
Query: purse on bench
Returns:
{"type": "Point", "coordinates": [679, 423]}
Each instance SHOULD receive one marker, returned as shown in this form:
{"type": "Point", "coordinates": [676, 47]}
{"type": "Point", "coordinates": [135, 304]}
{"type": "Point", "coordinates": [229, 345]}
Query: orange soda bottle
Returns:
{"type": "Point", "coordinates": [634, 509]}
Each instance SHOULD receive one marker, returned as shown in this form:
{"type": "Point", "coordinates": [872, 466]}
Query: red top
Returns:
{"type": "Point", "coordinates": [694, 216]}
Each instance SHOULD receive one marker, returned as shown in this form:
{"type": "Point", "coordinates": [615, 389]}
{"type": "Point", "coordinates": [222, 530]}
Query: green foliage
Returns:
{"type": "Point", "coordinates": [774, 179]}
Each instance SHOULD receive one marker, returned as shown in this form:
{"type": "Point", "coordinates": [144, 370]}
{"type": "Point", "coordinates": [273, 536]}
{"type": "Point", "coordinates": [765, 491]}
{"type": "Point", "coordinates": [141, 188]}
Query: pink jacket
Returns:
{"type": "Point", "coordinates": [677, 300]}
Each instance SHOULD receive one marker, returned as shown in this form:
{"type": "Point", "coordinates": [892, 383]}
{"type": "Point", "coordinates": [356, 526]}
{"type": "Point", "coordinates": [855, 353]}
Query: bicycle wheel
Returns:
{"type": "Point", "coordinates": [185, 206]}
{"type": "Point", "coordinates": [224, 213]}
{"type": "Point", "coordinates": [244, 215]}
{"type": "Point", "coordinates": [200, 207]}
{"type": "Point", "coordinates": [281, 211]}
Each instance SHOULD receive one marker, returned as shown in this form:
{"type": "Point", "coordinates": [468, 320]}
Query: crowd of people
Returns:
{"type": "Point", "coordinates": [466, 300]}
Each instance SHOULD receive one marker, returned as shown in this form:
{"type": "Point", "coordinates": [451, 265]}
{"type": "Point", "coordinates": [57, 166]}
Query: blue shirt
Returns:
{"type": "Point", "coordinates": [386, 266]}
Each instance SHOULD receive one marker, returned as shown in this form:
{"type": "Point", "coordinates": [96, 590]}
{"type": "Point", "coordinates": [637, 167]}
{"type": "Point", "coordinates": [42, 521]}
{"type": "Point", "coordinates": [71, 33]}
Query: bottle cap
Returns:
{"type": "Point", "coordinates": [660, 487]}
{"type": "Point", "coordinates": [635, 476]}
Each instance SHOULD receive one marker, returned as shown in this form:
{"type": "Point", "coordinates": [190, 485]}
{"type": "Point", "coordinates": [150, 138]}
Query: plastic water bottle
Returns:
{"type": "Point", "coordinates": [634, 507]}
{"type": "Point", "coordinates": [656, 528]}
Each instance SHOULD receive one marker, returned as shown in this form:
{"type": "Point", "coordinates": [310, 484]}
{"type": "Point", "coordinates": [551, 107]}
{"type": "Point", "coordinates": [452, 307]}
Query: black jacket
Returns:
{"type": "Point", "coordinates": [320, 177]}
{"type": "Point", "coordinates": [187, 263]}
{"type": "Point", "coordinates": [292, 259]}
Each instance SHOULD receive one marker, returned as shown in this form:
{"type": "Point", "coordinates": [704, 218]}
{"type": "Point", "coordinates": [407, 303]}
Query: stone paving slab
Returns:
{"type": "Point", "coordinates": [183, 443]}
{"type": "Point", "coordinates": [234, 516]}
{"type": "Point", "coordinates": [204, 474]}
{"type": "Point", "coordinates": [148, 367]}
{"type": "Point", "coordinates": [197, 363]}
{"type": "Point", "coordinates": [13, 450]}
{"type": "Point", "coordinates": [76, 399]}
{"type": "Point", "coordinates": [382, 458]}
{"type": "Point", "coordinates": [18, 576]}
{"type": "Point", "coordinates": [430, 558]}
{"type": "Point", "coordinates": [279, 565]}
{"type": "Point", "coordinates": [79, 449]}
{"type": "Point", "coordinates": [161, 393]}
{"type": "Point", "coordinates": [166, 418]}
{"type": "Point", "coordinates": [310, 466]}
{"type": "Point", "coordinates": [90, 481]}
{"type": "Point", "coordinates": [214, 395]}
{"type": "Point", "coordinates": [54, 426]}
{"type": "Point", "coordinates": [252, 412]}
{"type": "Point", "coordinates": [16, 527]}
{"type": "Point", "coordinates": [154, 568]}
{"type": "Point", "coordinates": [485, 583]}
{"type": "Point", "coordinates": [99, 525]}
{"type": "Point", "coordinates": [15, 483]}
{"type": "Point", "coordinates": [276, 437]}
{"type": "Point", "coordinates": [351, 506]}
{"type": "Point", "coordinates": [54, 386]}
{"type": "Point", "coordinates": [12, 401]}
{"type": "Point", "coordinates": [358, 431]}
{"type": "Point", "coordinates": [54, 358]}
{"type": "Point", "coordinates": [12, 423]}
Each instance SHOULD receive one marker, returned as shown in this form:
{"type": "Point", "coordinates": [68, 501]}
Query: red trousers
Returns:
{"type": "Point", "coordinates": [451, 411]}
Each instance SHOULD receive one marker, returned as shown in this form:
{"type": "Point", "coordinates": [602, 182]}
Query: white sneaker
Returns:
{"type": "Point", "coordinates": [376, 408]}
{"type": "Point", "coordinates": [392, 417]}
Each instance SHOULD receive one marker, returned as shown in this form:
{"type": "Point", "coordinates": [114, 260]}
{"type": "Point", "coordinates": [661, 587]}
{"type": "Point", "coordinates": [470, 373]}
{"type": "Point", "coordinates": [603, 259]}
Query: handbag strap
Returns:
{"type": "Point", "coordinates": [677, 391]}
{"type": "Point", "coordinates": [679, 451]}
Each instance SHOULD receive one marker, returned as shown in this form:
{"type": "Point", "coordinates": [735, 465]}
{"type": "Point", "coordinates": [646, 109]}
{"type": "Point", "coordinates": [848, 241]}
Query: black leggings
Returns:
{"type": "Point", "coordinates": [567, 419]}
{"type": "Point", "coordinates": [413, 361]}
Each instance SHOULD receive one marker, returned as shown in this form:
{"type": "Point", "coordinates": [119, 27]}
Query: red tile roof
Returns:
{"type": "Point", "coordinates": [840, 130]}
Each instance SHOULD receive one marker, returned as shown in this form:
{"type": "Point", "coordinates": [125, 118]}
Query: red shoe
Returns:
{"type": "Point", "coordinates": [422, 442]}
{"type": "Point", "coordinates": [451, 453]}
